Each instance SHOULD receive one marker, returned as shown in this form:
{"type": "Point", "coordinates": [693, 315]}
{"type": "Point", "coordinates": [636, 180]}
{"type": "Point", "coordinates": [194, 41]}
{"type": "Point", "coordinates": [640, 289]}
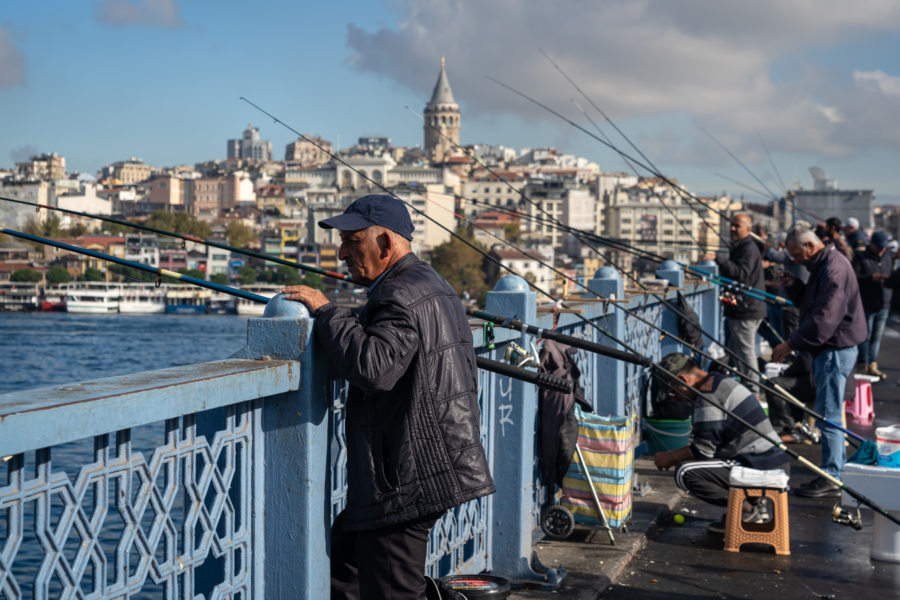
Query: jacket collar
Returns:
{"type": "Point", "coordinates": [392, 272]}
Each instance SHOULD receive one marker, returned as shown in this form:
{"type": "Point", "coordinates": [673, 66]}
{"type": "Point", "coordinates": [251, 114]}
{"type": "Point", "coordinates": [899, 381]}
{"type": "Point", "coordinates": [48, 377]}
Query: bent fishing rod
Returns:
{"type": "Point", "coordinates": [778, 444]}
{"type": "Point", "coordinates": [411, 206]}
{"type": "Point", "coordinates": [482, 252]}
{"type": "Point", "coordinates": [544, 380]}
{"type": "Point", "coordinates": [766, 384]}
{"type": "Point", "coordinates": [189, 238]}
{"type": "Point", "coordinates": [735, 286]}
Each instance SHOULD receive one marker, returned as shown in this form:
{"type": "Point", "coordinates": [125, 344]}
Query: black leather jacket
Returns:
{"type": "Point", "coordinates": [744, 264]}
{"type": "Point", "coordinates": [413, 442]}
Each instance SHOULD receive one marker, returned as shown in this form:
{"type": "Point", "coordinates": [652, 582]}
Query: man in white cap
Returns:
{"type": "Point", "coordinates": [856, 238]}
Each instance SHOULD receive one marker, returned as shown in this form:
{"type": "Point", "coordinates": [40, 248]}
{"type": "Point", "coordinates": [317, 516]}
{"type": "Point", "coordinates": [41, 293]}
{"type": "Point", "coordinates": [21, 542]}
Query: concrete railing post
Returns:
{"type": "Point", "coordinates": [610, 373]}
{"type": "Point", "coordinates": [293, 460]}
{"type": "Point", "coordinates": [514, 422]}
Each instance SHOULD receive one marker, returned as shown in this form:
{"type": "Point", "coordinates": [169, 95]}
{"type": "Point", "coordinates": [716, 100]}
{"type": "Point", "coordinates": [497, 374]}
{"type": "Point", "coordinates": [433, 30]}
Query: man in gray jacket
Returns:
{"type": "Point", "coordinates": [832, 324]}
{"type": "Point", "coordinates": [413, 442]}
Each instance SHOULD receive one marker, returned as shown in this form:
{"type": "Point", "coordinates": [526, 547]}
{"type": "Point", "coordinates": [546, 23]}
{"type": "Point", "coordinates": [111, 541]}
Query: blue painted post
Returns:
{"type": "Point", "coordinates": [293, 478]}
{"type": "Point", "coordinates": [671, 272]}
{"type": "Point", "coordinates": [514, 429]}
{"type": "Point", "coordinates": [711, 313]}
{"type": "Point", "coordinates": [610, 373]}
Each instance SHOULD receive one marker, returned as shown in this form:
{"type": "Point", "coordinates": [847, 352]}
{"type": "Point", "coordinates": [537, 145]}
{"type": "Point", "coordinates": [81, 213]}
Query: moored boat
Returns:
{"type": "Point", "coordinates": [142, 299]}
{"type": "Point", "coordinates": [93, 297]}
{"type": "Point", "coordinates": [54, 298]}
{"type": "Point", "coordinates": [221, 304]}
{"type": "Point", "coordinates": [186, 300]}
{"type": "Point", "coordinates": [18, 296]}
{"type": "Point", "coordinates": [249, 307]}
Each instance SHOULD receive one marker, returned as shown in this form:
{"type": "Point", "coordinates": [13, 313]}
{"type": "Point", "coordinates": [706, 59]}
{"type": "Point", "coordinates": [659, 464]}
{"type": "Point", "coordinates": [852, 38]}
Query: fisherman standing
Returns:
{"type": "Point", "coordinates": [873, 268]}
{"type": "Point", "coordinates": [413, 443]}
{"type": "Point", "coordinates": [743, 314]}
{"type": "Point", "coordinates": [832, 324]}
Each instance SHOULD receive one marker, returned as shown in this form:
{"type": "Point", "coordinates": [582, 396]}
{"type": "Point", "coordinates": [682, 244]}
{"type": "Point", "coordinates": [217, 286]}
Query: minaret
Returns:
{"type": "Point", "coordinates": [441, 115]}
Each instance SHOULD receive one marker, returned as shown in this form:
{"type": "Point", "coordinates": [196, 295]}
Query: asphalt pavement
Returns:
{"type": "Point", "coordinates": [659, 558]}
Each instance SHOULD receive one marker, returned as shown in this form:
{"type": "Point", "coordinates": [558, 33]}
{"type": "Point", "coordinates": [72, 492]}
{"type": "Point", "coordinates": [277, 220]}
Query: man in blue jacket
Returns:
{"type": "Point", "coordinates": [832, 324]}
{"type": "Point", "coordinates": [413, 438]}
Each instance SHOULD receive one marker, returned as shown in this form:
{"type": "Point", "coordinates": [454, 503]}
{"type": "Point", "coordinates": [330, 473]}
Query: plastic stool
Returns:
{"type": "Point", "coordinates": [861, 407]}
{"type": "Point", "coordinates": [776, 532]}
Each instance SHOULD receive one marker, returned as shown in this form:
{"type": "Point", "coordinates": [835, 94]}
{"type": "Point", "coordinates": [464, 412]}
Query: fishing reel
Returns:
{"type": "Point", "coordinates": [520, 357]}
{"type": "Point", "coordinates": [843, 517]}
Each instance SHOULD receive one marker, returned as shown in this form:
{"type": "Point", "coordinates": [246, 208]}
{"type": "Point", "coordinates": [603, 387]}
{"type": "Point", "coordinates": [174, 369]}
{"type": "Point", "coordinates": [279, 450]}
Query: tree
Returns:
{"type": "Point", "coordinates": [511, 232]}
{"type": "Point", "coordinates": [313, 280]}
{"type": "Point", "coordinates": [195, 273]}
{"type": "Point", "coordinates": [246, 275]}
{"type": "Point", "coordinates": [126, 273]}
{"type": "Point", "coordinates": [461, 265]}
{"type": "Point", "coordinates": [287, 275]}
{"type": "Point", "coordinates": [240, 235]}
{"type": "Point", "coordinates": [179, 222]}
{"type": "Point", "coordinates": [92, 274]}
{"type": "Point", "coordinates": [25, 276]}
{"type": "Point", "coordinates": [220, 278]}
{"type": "Point", "coordinates": [58, 274]}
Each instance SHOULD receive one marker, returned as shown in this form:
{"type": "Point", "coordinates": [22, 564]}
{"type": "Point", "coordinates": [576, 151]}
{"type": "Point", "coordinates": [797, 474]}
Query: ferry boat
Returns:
{"type": "Point", "coordinates": [186, 300]}
{"type": "Point", "coordinates": [19, 296]}
{"type": "Point", "coordinates": [54, 298]}
{"type": "Point", "coordinates": [93, 297]}
{"type": "Point", "coordinates": [142, 299]}
{"type": "Point", "coordinates": [251, 308]}
{"type": "Point", "coordinates": [221, 304]}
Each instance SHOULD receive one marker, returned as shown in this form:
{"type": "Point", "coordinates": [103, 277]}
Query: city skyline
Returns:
{"type": "Point", "coordinates": [161, 80]}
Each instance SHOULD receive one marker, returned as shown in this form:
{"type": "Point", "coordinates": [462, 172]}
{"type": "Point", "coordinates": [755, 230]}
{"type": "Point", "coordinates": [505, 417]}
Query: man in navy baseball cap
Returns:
{"type": "Point", "coordinates": [375, 209]}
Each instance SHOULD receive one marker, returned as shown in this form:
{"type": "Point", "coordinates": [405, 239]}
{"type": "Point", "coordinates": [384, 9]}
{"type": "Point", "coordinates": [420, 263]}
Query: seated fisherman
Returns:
{"type": "Point", "coordinates": [718, 441]}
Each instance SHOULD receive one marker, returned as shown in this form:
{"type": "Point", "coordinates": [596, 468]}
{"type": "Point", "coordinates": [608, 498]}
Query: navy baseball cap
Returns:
{"type": "Point", "coordinates": [375, 209]}
{"type": "Point", "coordinates": [880, 240]}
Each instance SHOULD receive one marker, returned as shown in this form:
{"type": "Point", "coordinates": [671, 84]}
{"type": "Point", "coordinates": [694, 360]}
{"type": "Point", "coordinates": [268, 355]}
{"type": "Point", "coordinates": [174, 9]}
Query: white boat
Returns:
{"type": "Point", "coordinates": [93, 297]}
{"type": "Point", "coordinates": [19, 296]}
{"type": "Point", "coordinates": [251, 308]}
{"type": "Point", "coordinates": [142, 299]}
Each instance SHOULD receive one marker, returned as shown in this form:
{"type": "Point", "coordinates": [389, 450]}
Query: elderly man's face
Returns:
{"type": "Point", "coordinates": [362, 254]}
{"type": "Point", "coordinates": [740, 228]}
{"type": "Point", "coordinates": [801, 253]}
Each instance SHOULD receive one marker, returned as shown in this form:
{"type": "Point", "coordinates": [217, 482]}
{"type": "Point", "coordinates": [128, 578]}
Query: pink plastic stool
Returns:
{"type": "Point", "coordinates": [861, 407]}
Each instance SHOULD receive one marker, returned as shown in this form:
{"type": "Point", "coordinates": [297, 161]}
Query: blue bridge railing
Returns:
{"type": "Point", "coordinates": [220, 480]}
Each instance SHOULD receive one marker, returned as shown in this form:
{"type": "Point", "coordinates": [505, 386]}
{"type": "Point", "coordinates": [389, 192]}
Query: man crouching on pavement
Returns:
{"type": "Point", "coordinates": [413, 443]}
{"type": "Point", "coordinates": [718, 441]}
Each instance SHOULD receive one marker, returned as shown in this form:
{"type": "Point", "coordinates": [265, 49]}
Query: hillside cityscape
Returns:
{"type": "Point", "coordinates": [517, 204]}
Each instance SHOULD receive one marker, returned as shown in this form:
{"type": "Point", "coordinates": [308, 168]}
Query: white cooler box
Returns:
{"type": "Point", "coordinates": [880, 485]}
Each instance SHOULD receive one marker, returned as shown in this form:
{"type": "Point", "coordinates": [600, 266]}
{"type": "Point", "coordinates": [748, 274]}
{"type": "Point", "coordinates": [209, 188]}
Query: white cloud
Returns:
{"type": "Point", "coordinates": [159, 13]}
{"type": "Point", "coordinates": [888, 85]}
{"type": "Point", "coordinates": [714, 63]}
{"type": "Point", "coordinates": [12, 62]}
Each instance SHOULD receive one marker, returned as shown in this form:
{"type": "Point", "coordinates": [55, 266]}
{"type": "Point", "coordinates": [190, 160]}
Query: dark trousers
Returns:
{"type": "Point", "coordinates": [708, 479]}
{"type": "Point", "coordinates": [387, 563]}
{"type": "Point", "coordinates": [785, 415]}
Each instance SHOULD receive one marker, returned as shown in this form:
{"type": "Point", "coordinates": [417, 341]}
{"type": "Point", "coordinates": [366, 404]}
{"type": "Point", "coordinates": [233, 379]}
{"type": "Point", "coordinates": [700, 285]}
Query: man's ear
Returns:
{"type": "Point", "coordinates": [385, 243]}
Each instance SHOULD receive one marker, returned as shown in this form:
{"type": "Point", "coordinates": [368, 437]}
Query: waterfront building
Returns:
{"type": "Point", "coordinates": [127, 172]}
{"type": "Point", "coordinates": [42, 167]}
{"type": "Point", "coordinates": [142, 247]}
{"type": "Point", "coordinates": [826, 200]}
{"type": "Point", "coordinates": [313, 150]}
{"type": "Point", "coordinates": [250, 146]}
{"type": "Point", "coordinates": [168, 192]}
{"type": "Point", "coordinates": [15, 216]}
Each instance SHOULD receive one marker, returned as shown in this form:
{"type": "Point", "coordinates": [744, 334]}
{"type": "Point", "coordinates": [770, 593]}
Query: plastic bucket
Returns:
{"type": "Point", "coordinates": [888, 441]}
{"type": "Point", "coordinates": [666, 434]}
{"type": "Point", "coordinates": [478, 586]}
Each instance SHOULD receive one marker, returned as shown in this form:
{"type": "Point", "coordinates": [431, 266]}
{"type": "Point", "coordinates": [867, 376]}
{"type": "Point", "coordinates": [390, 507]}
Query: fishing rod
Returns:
{"type": "Point", "coordinates": [544, 380]}
{"type": "Point", "coordinates": [511, 323]}
{"type": "Point", "coordinates": [190, 238]}
{"type": "Point", "coordinates": [768, 385]}
{"type": "Point", "coordinates": [778, 444]}
{"type": "Point", "coordinates": [772, 162]}
{"type": "Point", "coordinates": [482, 252]}
{"type": "Point", "coordinates": [740, 162]}
{"type": "Point", "coordinates": [677, 189]}
{"type": "Point", "coordinates": [380, 186]}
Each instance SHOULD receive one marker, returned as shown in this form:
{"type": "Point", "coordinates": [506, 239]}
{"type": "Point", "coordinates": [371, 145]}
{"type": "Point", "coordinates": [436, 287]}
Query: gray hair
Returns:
{"type": "Point", "coordinates": [802, 235]}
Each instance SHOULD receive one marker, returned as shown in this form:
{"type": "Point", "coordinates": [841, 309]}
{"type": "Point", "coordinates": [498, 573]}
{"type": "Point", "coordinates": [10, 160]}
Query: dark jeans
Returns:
{"type": "Point", "coordinates": [384, 563]}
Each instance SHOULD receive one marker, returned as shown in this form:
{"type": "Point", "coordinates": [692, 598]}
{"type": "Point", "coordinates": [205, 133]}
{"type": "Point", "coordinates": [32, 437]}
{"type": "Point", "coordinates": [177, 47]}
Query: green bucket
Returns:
{"type": "Point", "coordinates": [666, 434]}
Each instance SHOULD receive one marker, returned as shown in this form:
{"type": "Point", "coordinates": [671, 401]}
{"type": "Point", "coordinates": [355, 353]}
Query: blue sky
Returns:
{"type": "Point", "coordinates": [816, 81]}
